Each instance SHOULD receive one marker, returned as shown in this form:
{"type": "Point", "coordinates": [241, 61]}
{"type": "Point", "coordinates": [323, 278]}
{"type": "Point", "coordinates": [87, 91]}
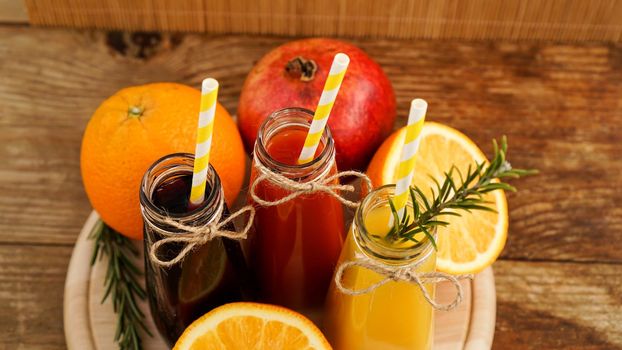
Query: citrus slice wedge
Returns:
{"type": "Point", "coordinates": [202, 271]}
{"type": "Point", "coordinates": [472, 241]}
{"type": "Point", "coordinates": [241, 326]}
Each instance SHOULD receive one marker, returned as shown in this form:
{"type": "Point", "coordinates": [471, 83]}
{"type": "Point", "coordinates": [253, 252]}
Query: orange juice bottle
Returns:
{"type": "Point", "coordinates": [395, 315]}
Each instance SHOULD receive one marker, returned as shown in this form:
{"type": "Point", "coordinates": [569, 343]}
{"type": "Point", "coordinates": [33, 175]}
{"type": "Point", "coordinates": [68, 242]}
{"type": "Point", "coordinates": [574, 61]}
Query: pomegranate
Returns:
{"type": "Point", "coordinates": [293, 75]}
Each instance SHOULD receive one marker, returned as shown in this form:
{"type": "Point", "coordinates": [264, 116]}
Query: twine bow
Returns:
{"type": "Point", "coordinates": [195, 236]}
{"type": "Point", "coordinates": [405, 274]}
{"type": "Point", "coordinates": [324, 185]}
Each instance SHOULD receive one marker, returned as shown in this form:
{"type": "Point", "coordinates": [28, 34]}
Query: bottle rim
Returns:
{"type": "Point", "coordinates": [375, 250]}
{"type": "Point", "coordinates": [275, 123]}
{"type": "Point", "coordinates": [177, 164]}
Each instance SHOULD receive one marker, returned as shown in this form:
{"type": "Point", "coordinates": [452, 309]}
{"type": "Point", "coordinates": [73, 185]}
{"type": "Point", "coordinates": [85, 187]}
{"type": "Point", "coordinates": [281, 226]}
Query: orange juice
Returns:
{"type": "Point", "coordinates": [393, 316]}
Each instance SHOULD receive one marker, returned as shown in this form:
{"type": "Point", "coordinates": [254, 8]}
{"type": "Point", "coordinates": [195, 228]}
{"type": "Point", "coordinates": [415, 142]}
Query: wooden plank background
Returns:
{"type": "Point", "coordinates": [578, 20]}
{"type": "Point", "coordinates": [559, 277]}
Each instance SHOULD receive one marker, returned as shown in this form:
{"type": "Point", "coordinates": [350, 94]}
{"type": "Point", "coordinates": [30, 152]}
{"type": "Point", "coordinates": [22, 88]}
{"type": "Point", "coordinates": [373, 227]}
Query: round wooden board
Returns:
{"type": "Point", "coordinates": [90, 325]}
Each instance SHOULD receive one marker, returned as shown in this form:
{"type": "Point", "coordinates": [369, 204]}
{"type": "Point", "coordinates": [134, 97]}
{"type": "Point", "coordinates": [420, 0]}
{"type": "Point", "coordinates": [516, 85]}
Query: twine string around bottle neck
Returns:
{"type": "Point", "coordinates": [195, 236]}
{"type": "Point", "coordinates": [320, 185]}
{"type": "Point", "coordinates": [406, 273]}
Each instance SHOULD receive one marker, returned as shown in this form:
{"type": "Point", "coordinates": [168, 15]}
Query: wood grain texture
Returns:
{"type": "Point", "coordinates": [31, 296]}
{"type": "Point", "coordinates": [558, 103]}
{"type": "Point", "coordinates": [558, 306]}
{"type": "Point", "coordinates": [484, 298]}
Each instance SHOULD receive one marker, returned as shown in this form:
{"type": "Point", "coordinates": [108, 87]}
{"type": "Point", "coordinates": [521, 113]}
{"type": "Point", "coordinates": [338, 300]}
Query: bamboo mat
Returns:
{"type": "Point", "coordinates": [569, 20]}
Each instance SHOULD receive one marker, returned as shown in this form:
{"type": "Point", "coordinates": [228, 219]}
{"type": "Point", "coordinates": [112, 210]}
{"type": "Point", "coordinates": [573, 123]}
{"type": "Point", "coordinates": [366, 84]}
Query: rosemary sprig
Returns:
{"type": "Point", "coordinates": [450, 197]}
{"type": "Point", "coordinates": [121, 283]}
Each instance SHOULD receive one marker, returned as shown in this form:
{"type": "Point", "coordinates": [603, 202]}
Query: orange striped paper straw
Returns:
{"type": "Point", "coordinates": [320, 118]}
{"type": "Point", "coordinates": [209, 93]}
{"type": "Point", "coordinates": [406, 168]}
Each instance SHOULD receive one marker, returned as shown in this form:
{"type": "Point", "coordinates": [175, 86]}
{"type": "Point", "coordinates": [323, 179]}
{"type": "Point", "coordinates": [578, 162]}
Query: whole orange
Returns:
{"type": "Point", "coordinates": [135, 127]}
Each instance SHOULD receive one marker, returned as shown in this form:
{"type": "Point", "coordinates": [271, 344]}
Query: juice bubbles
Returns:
{"type": "Point", "coordinates": [212, 274]}
{"type": "Point", "coordinates": [395, 315]}
{"type": "Point", "coordinates": [296, 244]}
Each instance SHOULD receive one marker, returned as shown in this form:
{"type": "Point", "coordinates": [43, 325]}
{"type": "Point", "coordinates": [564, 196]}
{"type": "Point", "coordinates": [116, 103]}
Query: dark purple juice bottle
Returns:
{"type": "Point", "coordinates": [210, 275]}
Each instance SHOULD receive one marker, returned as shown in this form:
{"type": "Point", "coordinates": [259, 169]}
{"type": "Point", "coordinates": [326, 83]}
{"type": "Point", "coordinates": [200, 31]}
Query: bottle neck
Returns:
{"type": "Point", "coordinates": [287, 120]}
{"type": "Point", "coordinates": [374, 245]}
{"type": "Point", "coordinates": [168, 169]}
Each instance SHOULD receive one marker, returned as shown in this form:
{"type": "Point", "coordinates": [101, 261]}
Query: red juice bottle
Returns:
{"type": "Point", "coordinates": [296, 244]}
{"type": "Point", "coordinates": [212, 274]}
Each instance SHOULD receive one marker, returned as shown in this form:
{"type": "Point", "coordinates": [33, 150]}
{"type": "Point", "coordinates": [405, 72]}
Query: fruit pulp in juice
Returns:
{"type": "Point", "coordinates": [393, 316]}
{"type": "Point", "coordinates": [209, 276]}
{"type": "Point", "coordinates": [296, 244]}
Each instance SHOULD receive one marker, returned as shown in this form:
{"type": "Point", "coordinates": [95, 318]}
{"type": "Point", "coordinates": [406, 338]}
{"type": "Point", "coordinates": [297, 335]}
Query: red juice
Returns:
{"type": "Point", "coordinates": [296, 244]}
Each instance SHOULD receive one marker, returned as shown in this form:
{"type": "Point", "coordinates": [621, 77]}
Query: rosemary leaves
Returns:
{"type": "Point", "coordinates": [452, 196]}
{"type": "Point", "coordinates": [121, 283]}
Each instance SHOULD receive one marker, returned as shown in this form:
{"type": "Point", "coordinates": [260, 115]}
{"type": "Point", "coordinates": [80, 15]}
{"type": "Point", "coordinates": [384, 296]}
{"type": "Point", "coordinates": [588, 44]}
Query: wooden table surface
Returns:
{"type": "Point", "coordinates": [559, 280]}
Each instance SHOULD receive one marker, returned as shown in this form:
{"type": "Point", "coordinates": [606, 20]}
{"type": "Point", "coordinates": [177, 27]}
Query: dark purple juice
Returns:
{"type": "Point", "coordinates": [170, 195]}
{"type": "Point", "coordinates": [209, 276]}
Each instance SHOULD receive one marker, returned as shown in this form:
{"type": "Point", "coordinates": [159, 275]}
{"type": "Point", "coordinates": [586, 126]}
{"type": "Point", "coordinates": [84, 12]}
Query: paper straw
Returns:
{"type": "Point", "coordinates": [406, 167]}
{"type": "Point", "coordinates": [209, 92]}
{"type": "Point", "coordinates": [320, 118]}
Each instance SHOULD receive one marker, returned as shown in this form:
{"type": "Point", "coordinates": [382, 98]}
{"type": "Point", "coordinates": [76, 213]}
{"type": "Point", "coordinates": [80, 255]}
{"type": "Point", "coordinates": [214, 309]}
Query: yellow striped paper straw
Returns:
{"type": "Point", "coordinates": [320, 118]}
{"type": "Point", "coordinates": [209, 92]}
{"type": "Point", "coordinates": [406, 167]}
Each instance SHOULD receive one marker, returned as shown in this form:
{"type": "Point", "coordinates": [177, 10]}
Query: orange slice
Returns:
{"type": "Point", "coordinates": [472, 241]}
{"type": "Point", "coordinates": [241, 326]}
{"type": "Point", "coordinates": [202, 271]}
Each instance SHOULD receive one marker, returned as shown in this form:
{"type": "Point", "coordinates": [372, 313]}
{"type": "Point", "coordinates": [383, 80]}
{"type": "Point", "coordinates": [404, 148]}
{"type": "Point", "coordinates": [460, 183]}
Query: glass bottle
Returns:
{"type": "Point", "coordinates": [296, 244]}
{"type": "Point", "coordinates": [210, 275]}
{"type": "Point", "coordinates": [395, 315]}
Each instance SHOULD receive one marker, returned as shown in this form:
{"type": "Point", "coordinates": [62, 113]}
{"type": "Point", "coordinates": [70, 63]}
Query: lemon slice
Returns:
{"type": "Point", "coordinates": [472, 241]}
